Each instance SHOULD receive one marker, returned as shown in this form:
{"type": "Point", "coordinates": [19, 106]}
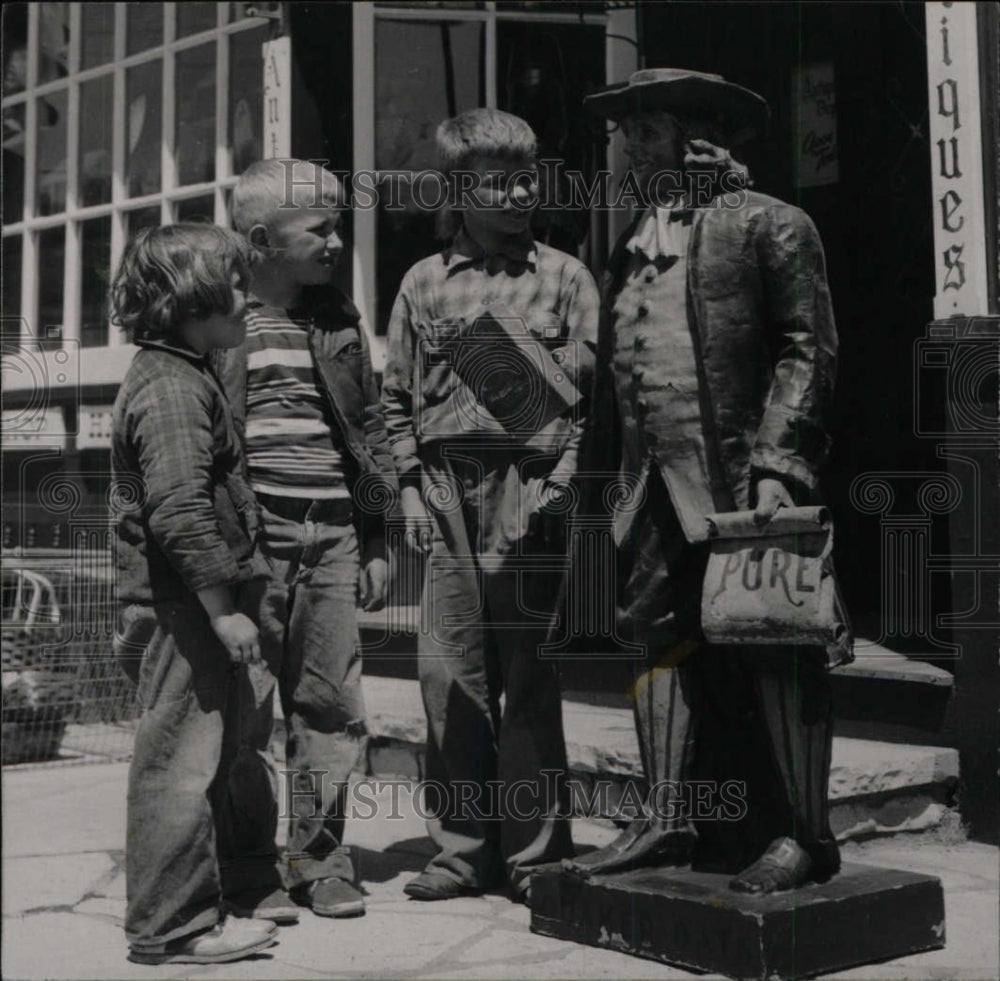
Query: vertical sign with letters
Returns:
{"type": "Point", "coordinates": [956, 160]}
{"type": "Point", "coordinates": [815, 102]}
{"type": "Point", "coordinates": [277, 97]}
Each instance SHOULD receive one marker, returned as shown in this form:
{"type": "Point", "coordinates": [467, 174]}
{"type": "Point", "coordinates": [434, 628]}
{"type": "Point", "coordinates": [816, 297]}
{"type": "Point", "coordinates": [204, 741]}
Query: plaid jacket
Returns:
{"type": "Point", "coordinates": [186, 516]}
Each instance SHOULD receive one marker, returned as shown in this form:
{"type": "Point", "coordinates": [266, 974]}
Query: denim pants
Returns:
{"type": "Point", "coordinates": [309, 638]}
{"type": "Point", "coordinates": [201, 791]}
{"type": "Point", "coordinates": [495, 788]}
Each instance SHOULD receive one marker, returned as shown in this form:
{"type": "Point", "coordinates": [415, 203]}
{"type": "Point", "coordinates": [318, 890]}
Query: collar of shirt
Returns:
{"type": "Point", "coordinates": [173, 346]}
{"type": "Point", "coordinates": [464, 250]}
{"type": "Point", "coordinates": [662, 232]}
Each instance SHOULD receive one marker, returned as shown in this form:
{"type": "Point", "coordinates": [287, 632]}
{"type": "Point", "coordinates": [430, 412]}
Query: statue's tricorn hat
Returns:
{"type": "Point", "coordinates": [688, 92]}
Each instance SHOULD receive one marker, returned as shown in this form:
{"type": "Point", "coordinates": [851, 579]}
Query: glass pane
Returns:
{"type": "Point", "coordinates": [13, 164]}
{"type": "Point", "coordinates": [195, 134]}
{"type": "Point", "coordinates": [53, 41]}
{"type": "Point", "coordinates": [95, 141]}
{"type": "Point", "coordinates": [51, 273]}
{"type": "Point", "coordinates": [547, 69]}
{"type": "Point", "coordinates": [195, 17]}
{"type": "Point", "coordinates": [246, 99]}
{"type": "Point", "coordinates": [145, 26]}
{"type": "Point", "coordinates": [136, 221]}
{"type": "Point", "coordinates": [50, 173]}
{"type": "Point", "coordinates": [424, 73]}
{"type": "Point", "coordinates": [450, 4]}
{"type": "Point", "coordinates": [238, 11]}
{"type": "Point", "coordinates": [95, 247]}
{"type": "Point", "coordinates": [97, 45]}
{"type": "Point", "coordinates": [11, 286]}
{"type": "Point", "coordinates": [144, 109]}
{"type": "Point", "coordinates": [15, 49]}
{"type": "Point", "coordinates": [196, 209]}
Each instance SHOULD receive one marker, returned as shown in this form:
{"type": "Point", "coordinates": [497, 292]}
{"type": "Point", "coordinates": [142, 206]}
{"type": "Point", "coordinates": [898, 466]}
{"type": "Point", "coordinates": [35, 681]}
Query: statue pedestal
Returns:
{"type": "Point", "coordinates": [694, 920]}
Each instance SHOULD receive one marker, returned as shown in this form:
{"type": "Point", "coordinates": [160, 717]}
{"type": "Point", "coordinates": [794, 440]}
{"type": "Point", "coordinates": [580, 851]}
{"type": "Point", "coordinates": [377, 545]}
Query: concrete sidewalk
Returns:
{"type": "Point", "coordinates": [63, 900]}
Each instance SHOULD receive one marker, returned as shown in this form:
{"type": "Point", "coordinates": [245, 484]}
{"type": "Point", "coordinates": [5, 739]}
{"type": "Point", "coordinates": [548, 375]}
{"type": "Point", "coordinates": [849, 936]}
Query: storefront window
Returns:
{"type": "Point", "coordinates": [195, 127]}
{"type": "Point", "coordinates": [142, 218]}
{"type": "Point", "coordinates": [13, 163]}
{"type": "Point", "coordinates": [95, 141]}
{"type": "Point", "coordinates": [97, 44]}
{"type": "Point", "coordinates": [15, 48]}
{"type": "Point", "coordinates": [11, 286]}
{"type": "Point", "coordinates": [95, 251]}
{"type": "Point", "coordinates": [51, 274]}
{"type": "Point", "coordinates": [196, 209]}
{"type": "Point", "coordinates": [145, 26]}
{"type": "Point", "coordinates": [424, 73]}
{"type": "Point", "coordinates": [246, 99]}
{"type": "Point", "coordinates": [192, 18]}
{"type": "Point", "coordinates": [50, 173]}
{"type": "Point", "coordinates": [144, 107]}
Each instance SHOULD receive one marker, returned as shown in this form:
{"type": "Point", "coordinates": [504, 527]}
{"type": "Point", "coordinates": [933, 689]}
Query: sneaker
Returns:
{"type": "Point", "coordinates": [230, 940]}
{"type": "Point", "coordinates": [266, 903]}
{"type": "Point", "coordinates": [333, 897]}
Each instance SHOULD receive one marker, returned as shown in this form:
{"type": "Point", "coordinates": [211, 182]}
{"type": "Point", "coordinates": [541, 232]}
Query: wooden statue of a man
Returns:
{"type": "Point", "coordinates": [718, 347]}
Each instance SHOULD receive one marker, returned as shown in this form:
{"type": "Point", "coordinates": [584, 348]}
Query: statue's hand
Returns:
{"type": "Point", "coordinates": [771, 495]}
{"type": "Point", "coordinates": [700, 155]}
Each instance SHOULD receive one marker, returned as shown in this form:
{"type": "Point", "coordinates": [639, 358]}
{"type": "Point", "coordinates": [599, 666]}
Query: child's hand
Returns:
{"type": "Point", "coordinates": [239, 635]}
{"type": "Point", "coordinates": [372, 584]}
{"type": "Point", "coordinates": [418, 522]}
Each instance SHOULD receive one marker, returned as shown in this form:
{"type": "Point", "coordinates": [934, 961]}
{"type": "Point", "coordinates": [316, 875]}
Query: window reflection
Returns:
{"type": "Point", "coordinates": [143, 114]}
{"type": "Point", "coordinates": [196, 209]}
{"type": "Point", "coordinates": [13, 163]}
{"type": "Point", "coordinates": [11, 286]}
{"type": "Point", "coordinates": [53, 41]}
{"type": "Point", "coordinates": [140, 218]}
{"type": "Point", "coordinates": [51, 273]}
{"type": "Point", "coordinates": [424, 73]}
{"type": "Point", "coordinates": [97, 44]}
{"type": "Point", "coordinates": [15, 48]}
{"type": "Point", "coordinates": [195, 133]}
{"type": "Point", "coordinates": [50, 171]}
{"type": "Point", "coordinates": [96, 116]}
{"type": "Point", "coordinates": [246, 98]}
{"type": "Point", "coordinates": [95, 248]}
{"type": "Point", "coordinates": [195, 17]}
{"type": "Point", "coordinates": [144, 26]}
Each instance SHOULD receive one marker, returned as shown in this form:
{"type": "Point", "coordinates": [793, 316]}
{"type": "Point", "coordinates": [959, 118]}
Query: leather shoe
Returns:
{"type": "Point", "coordinates": [265, 903]}
{"type": "Point", "coordinates": [430, 886]}
{"type": "Point", "coordinates": [334, 897]}
{"type": "Point", "coordinates": [230, 940]}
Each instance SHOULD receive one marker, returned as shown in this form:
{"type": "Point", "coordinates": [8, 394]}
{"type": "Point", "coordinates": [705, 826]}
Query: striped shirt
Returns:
{"type": "Point", "coordinates": [294, 445]}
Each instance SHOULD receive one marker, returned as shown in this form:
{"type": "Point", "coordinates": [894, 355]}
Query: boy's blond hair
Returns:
{"type": "Point", "coordinates": [483, 133]}
{"type": "Point", "coordinates": [268, 185]}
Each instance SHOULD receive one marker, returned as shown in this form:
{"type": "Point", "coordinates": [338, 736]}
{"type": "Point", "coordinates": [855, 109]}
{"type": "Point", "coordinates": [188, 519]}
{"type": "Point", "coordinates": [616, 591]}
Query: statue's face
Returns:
{"type": "Point", "coordinates": [653, 143]}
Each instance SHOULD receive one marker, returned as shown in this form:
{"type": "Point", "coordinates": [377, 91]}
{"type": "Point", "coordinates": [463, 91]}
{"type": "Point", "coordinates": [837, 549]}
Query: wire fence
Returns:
{"type": "Point", "coordinates": [64, 695]}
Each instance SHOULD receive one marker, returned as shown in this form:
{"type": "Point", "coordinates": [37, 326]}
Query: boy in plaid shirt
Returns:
{"type": "Point", "coordinates": [479, 498]}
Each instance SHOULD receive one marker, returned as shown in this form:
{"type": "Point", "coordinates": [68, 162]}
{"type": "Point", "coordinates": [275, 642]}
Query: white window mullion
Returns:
{"type": "Point", "coordinates": [365, 255]}
{"type": "Point", "coordinates": [72, 273]}
{"type": "Point", "coordinates": [490, 59]}
{"type": "Point", "coordinates": [168, 170]}
{"type": "Point", "coordinates": [29, 246]}
{"type": "Point", "coordinates": [222, 157]}
{"type": "Point", "coordinates": [115, 337]}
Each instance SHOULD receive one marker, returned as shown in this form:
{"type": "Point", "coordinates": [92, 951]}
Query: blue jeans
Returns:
{"type": "Point", "coordinates": [201, 791]}
{"type": "Point", "coordinates": [309, 638]}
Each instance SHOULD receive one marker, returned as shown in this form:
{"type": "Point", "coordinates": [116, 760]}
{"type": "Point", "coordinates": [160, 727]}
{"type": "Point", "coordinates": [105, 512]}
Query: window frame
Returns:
{"type": "Point", "coordinates": [120, 204]}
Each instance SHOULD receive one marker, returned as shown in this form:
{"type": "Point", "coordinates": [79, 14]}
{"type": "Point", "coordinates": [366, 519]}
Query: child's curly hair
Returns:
{"type": "Point", "coordinates": [175, 274]}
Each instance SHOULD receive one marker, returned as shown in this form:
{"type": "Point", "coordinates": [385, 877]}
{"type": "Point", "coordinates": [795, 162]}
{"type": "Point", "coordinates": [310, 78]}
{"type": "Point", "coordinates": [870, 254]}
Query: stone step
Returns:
{"type": "Point", "coordinates": [875, 787]}
{"type": "Point", "coordinates": [883, 693]}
